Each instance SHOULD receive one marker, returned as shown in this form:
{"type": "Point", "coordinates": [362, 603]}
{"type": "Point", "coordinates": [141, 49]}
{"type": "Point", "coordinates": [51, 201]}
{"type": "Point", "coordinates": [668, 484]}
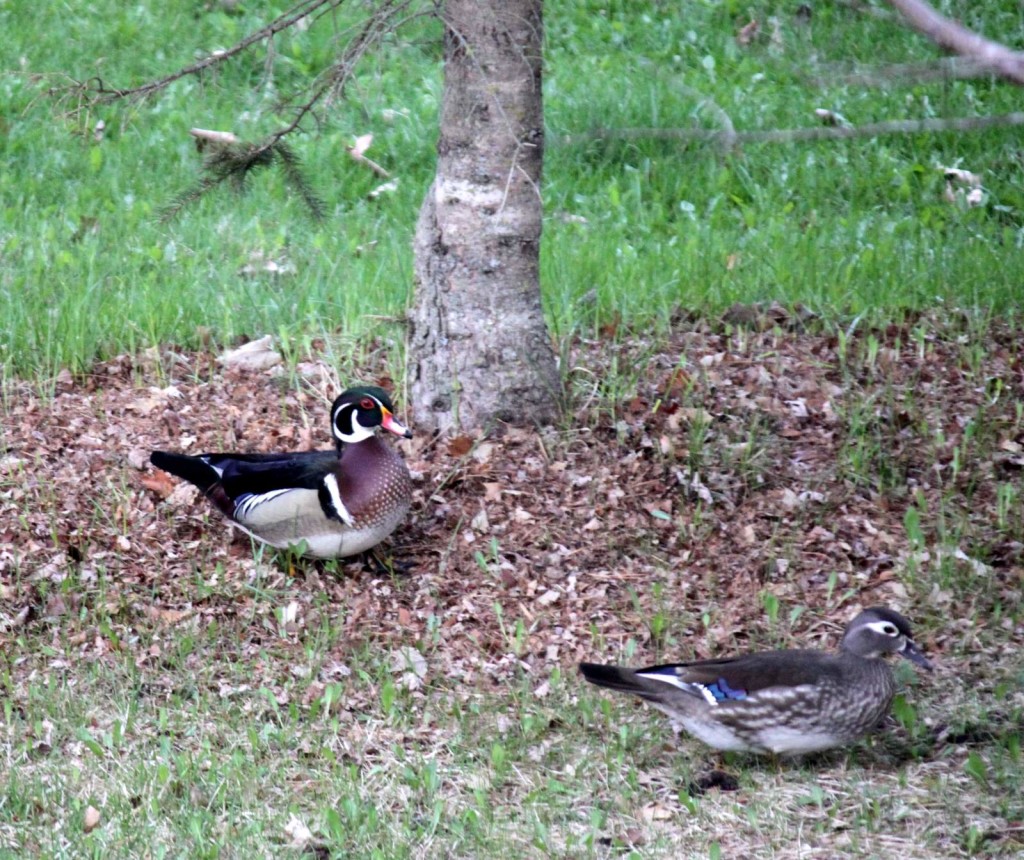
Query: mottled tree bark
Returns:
{"type": "Point", "coordinates": [479, 349]}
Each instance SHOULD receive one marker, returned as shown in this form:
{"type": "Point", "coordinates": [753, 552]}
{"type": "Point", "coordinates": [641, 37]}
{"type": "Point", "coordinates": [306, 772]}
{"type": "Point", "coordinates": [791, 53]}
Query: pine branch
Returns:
{"type": "Point", "coordinates": [297, 181]}
{"type": "Point", "coordinates": [226, 159]}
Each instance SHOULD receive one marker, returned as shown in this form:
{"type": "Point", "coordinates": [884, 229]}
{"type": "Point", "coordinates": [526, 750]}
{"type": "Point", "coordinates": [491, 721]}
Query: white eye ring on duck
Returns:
{"type": "Point", "coordinates": [890, 630]}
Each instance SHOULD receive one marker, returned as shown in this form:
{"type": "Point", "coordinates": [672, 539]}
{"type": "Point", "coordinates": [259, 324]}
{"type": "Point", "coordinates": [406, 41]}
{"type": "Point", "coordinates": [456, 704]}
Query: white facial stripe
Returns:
{"type": "Point", "coordinates": [331, 482]}
{"type": "Point", "coordinates": [359, 432]}
{"type": "Point", "coordinates": [883, 628]}
{"type": "Point", "coordinates": [357, 427]}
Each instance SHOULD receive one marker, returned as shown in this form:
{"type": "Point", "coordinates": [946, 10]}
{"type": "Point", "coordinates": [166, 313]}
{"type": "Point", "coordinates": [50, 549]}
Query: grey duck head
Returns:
{"type": "Point", "coordinates": [879, 631]}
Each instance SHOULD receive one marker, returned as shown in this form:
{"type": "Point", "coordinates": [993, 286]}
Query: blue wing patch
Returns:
{"type": "Point", "coordinates": [723, 692]}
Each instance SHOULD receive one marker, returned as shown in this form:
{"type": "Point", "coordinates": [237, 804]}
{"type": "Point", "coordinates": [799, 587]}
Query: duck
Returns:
{"type": "Point", "coordinates": [323, 504]}
{"type": "Point", "coordinates": [786, 702]}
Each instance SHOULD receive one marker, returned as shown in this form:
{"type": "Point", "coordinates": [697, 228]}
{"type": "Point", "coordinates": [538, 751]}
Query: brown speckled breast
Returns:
{"type": "Point", "coordinates": [374, 483]}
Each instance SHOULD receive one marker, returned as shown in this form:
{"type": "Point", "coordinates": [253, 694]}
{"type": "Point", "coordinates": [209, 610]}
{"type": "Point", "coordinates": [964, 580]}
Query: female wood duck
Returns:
{"type": "Point", "coordinates": [782, 702]}
{"type": "Point", "coordinates": [331, 503]}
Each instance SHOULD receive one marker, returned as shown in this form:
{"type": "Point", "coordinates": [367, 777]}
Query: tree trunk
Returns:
{"type": "Point", "coordinates": [479, 350]}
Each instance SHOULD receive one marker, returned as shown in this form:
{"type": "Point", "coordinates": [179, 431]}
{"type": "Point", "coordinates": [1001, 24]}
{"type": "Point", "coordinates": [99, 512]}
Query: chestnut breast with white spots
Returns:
{"type": "Point", "coordinates": [374, 484]}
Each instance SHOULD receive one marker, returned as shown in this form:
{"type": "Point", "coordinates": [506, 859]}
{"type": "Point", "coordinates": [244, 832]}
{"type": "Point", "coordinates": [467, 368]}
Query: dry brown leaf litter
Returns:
{"type": "Point", "coordinates": [707, 474]}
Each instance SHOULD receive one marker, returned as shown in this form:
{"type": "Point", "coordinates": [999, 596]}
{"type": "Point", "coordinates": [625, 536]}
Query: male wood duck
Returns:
{"type": "Point", "coordinates": [337, 503]}
{"type": "Point", "coordinates": [782, 702]}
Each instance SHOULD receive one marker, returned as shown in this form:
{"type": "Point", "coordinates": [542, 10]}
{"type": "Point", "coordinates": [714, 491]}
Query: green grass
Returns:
{"type": "Point", "coordinates": [846, 228]}
{"type": "Point", "coordinates": [188, 756]}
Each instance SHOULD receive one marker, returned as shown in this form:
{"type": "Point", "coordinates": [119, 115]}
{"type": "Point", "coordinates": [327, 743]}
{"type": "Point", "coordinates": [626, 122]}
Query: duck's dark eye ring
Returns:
{"type": "Point", "coordinates": [367, 403]}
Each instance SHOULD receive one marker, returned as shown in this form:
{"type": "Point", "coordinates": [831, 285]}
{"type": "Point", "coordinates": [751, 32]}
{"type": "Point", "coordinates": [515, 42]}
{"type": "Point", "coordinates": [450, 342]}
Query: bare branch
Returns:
{"type": "Point", "coordinates": [905, 74]}
{"type": "Point", "coordinates": [283, 22]}
{"type": "Point", "coordinates": [369, 162]}
{"type": "Point", "coordinates": [727, 129]}
{"type": "Point", "coordinates": [948, 34]}
{"type": "Point", "coordinates": [789, 135]}
{"type": "Point", "coordinates": [221, 137]}
{"type": "Point", "coordinates": [866, 9]}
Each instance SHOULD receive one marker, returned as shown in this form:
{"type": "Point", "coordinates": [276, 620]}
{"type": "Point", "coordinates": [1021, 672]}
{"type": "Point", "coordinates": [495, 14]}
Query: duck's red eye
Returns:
{"type": "Point", "coordinates": [367, 403]}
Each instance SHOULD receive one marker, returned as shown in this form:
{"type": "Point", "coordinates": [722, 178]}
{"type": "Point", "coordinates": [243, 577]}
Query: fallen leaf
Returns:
{"type": "Point", "coordinates": [408, 659]}
{"type": "Point", "coordinates": [183, 495]}
{"type": "Point", "coordinates": [961, 177]}
{"type": "Point", "coordinates": [44, 744]}
{"type": "Point", "coordinates": [361, 144]}
{"type": "Point", "coordinates": [748, 33]}
{"type": "Point", "coordinates": [480, 523]}
{"type": "Point", "coordinates": [387, 188]}
{"type": "Point", "coordinates": [459, 446]}
{"type": "Point", "coordinates": [91, 819]}
{"type": "Point", "coordinates": [55, 606]}
{"type": "Point", "coordinates": [164, 616]}
{"type": "Point", "coordinates": [656, 812]}
{"type": "Point", "coordinates": [482, 453]}
{"type": "Point", "coordinates": [314, 692]}
{"type": "Point", "coordinates": [254, 356]}
{"type": "Point", "coordinates": [635, 836]}
{"type": "Point", "coordinates": [831, 117]}
{"type": "Point", "coordinates": [289, 614]}
{"type": "Point", "coordinates": [299, 835]}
